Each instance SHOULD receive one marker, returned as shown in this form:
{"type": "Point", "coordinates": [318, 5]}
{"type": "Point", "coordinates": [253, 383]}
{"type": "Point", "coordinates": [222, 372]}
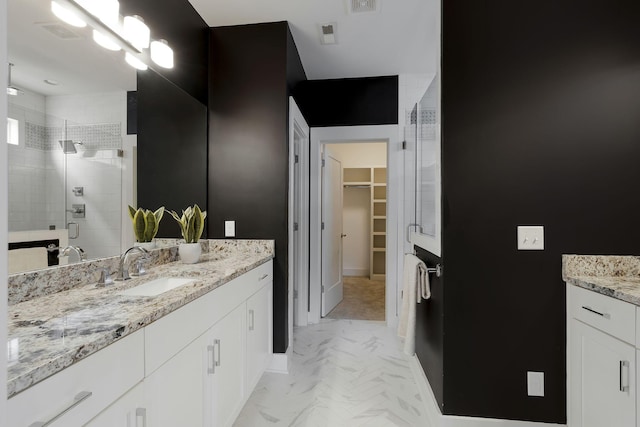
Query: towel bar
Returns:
{"type": "Point", "coordinates": [437, 270]}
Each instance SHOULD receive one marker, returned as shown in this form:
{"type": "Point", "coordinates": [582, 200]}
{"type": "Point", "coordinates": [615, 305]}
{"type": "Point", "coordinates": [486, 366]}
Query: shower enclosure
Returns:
{"type": "Point", "coordinates": [65, 175]}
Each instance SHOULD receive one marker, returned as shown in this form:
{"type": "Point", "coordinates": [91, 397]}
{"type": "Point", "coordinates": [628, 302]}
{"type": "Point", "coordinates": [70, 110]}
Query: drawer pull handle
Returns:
{"type": "Point", "coordinates": [141, 412]}
{"type": "Point", "coordinates": [605, 315]}
{"type": "Point", "coordinates": [624, 385]}
{"type": "Point", "coordinates": [251, 320]}
{"type": "Point", "coordinates": [264, 276]}
{"type": "Point", "coordinates": [211, 369]}
{"type": "Point", "coordinates": [80, 397]}
{"type": "Point", "coordinates": [217, 361]}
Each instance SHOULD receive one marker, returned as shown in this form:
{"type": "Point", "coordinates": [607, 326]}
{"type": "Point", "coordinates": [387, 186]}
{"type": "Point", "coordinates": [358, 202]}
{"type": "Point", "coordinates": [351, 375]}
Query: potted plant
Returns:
{"type": "Point", "coordinates": [191, 225]}
{"type": "Point", "coordinates": [145, 225]}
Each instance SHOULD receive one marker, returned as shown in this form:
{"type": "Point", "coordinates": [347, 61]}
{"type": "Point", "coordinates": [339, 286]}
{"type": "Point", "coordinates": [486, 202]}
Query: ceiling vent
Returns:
{"type": "Point", "coordinates": [328, 33]}
{"type": "Point", "coordinates": [363, 6]}
{"type": "Point", "coordinates": [60, 31]}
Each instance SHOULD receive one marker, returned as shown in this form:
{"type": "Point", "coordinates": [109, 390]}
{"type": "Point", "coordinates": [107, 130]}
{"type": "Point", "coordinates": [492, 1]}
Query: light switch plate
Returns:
{"type": "Point", "coordinates": [530, 238]}
{"type": "Point", "coordinates": [535, 384]}
{"type": "Point", "coordinates": [229, 229]}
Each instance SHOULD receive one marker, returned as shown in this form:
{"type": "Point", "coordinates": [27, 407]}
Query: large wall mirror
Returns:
{"type": "Point", "coordinates": [70, 158]}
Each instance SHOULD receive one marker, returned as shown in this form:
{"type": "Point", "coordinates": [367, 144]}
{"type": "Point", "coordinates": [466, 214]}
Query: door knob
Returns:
{"type": "Point", "coordinates": [343, 235]}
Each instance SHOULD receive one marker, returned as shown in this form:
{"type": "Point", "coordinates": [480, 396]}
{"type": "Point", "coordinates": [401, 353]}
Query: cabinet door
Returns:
{"type": "Point", "coordinates": [128, 411]}
{"type": "Point", "coordinates": [259, 336]}
{"type": "Point", "coordinates": [227, 381]}
{"type": "Point", "coordinates": [174, 393]}
{"type": "Point", "coordinates": [603, 379]}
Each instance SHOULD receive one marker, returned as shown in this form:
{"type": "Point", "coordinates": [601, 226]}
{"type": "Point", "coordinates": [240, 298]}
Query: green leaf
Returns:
{"type": "Point", "coordinates": [139, 225]}
{"type": "Point", "coordinates": [132, 212]}
{"type": "Point", "coordinates": [150, 224]}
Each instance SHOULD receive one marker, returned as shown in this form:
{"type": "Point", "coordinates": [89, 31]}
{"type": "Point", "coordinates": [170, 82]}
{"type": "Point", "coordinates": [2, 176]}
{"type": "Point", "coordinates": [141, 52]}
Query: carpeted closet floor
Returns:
{"type": "Point", "coordinates": [363, 299]}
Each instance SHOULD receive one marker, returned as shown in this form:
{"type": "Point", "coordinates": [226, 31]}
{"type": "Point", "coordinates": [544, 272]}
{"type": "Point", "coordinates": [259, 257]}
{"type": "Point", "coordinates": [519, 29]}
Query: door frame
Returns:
{"type": "Point", "coordinates": [298, 122]}
{"type": "Point", "coordinates": [354, 134]}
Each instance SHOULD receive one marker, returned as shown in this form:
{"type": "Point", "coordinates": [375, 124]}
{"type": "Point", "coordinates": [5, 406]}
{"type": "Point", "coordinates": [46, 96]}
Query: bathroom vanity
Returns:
{"type": "Point", "coordinates": [188, 356]}
{"type": "Point", "coordinates": [603, 340]}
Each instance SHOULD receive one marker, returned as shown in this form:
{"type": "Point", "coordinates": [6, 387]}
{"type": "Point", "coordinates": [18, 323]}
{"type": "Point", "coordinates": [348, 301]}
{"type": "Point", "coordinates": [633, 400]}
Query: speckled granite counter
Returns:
{"type": "Point", "coordinates": [51, 332]}
{"type": "Point", "coordinates": [614, 276]}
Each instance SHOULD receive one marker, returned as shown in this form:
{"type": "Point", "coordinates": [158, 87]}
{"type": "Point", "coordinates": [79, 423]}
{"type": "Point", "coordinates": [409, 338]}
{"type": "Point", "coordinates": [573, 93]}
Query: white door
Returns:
{"type": "Point", "coordinates": [332, 233]}
{"type": "Point", "coordinates": [602, 379]}
{"type": "Point", "coordinates": [258, 335]}
{"type": "Point", "coordinates": [127, 411]}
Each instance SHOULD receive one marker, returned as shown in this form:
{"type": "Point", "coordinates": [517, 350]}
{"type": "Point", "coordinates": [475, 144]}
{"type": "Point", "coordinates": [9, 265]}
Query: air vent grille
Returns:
{"type": "Point", "coordinates": [363, 6]}
{"type": "Point", "coordinates": [61, 31]}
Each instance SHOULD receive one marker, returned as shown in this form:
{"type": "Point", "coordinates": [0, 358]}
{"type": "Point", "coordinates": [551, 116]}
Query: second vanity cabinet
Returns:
{"type": "Point", "coordinates": [602, 360]}
{"type": "Point", "coordinates": [196, 366]}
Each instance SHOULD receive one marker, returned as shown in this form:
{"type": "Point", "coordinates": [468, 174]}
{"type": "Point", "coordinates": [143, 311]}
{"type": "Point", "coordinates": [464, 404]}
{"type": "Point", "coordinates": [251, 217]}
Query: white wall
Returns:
{"type": "Point", "coordinates": [3, 212]}
{"type": "Point", "coordinates": [357, 205]}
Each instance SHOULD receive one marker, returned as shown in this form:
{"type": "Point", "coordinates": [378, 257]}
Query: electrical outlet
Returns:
{"type": "Point", "coordinates": [530, 238]}
{"type": "Point", "coordinates": [229, 229]}
{"type": "Point", "coordinates": [535, 384]}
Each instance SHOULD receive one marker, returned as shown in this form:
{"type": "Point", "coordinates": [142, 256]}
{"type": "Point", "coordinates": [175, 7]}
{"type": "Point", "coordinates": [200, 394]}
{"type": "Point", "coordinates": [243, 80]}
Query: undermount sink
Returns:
{"type": "Point", "coordinates": [157, 286]}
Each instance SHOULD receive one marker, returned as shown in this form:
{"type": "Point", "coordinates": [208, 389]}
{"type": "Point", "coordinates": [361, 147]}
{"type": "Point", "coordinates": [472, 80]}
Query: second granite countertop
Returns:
{"type": "Point", "coordinates": [50, 333]}
{"type": "Point", "coordinates": [614, 276]}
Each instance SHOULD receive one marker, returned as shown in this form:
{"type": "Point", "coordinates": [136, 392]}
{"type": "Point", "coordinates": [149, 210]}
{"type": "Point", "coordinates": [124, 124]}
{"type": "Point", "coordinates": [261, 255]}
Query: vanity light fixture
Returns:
{"type": "Point", "coordinates": [67, 15]}
{"type": "Point", "coordinates": [133, 35]}
{"type": "Point", "coordinates": [136, 31]}
{"type": "Point", "coordinates": [161, 53]}
{"type": "Point", "coordinates": [135, 62]}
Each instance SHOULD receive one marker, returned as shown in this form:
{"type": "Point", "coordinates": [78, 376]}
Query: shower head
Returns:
{"type": "Point", "coordinates": [69, 146]}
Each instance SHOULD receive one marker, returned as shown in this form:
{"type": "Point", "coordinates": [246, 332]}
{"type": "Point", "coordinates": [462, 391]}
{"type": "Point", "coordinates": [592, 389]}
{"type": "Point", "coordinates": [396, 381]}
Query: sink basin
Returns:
{"type": "Point", "coordinates": [157, 286]}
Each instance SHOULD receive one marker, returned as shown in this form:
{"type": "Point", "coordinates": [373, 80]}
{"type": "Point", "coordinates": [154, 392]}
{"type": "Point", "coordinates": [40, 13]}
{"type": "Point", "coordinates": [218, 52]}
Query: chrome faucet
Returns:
{"type": "Point", "coordinates": [77, 249]}
{"type": "Point", "coordinates": [123, 269]}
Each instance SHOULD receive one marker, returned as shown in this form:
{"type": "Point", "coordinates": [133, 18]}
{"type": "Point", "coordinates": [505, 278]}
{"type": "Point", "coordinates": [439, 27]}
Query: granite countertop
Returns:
{"type": "Point", "coordinates": [614, 276]}
{"type": "Point", "coordinates": [51, 332]}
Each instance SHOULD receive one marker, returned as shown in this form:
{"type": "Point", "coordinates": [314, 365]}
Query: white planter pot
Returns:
{"type": "Point", "coordinates": [146, 245]}
{"type": "Point", "coordinates": [189, 252]}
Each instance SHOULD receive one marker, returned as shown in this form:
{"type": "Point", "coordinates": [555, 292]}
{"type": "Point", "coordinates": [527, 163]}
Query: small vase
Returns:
{"type": "Point", "coordinates": [189, 252]}
{"type": "Point", "coordinates": [146, 245]}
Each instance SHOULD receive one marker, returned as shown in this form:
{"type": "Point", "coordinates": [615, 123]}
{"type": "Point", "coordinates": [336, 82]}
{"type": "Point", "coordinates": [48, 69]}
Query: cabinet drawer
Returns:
{"type": "Point", "coordinates": [615, 317]}
{"type": "Point", "coordinates": [107, 375]}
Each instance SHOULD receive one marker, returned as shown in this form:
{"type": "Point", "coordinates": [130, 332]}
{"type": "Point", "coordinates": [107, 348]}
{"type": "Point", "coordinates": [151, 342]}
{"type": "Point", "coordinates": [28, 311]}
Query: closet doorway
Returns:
{"type": "Point", "coordinates": [360, 228]}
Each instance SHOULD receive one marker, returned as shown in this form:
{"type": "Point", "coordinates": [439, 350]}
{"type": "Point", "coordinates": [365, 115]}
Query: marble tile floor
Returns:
{"type": "Point", "coordinates": [343, 373]}
{"type": "Point", "coordinates": [363, 299]}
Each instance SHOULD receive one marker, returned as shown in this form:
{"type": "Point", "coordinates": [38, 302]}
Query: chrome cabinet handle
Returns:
{"type": "Point", "coordinates": [217, 361]}
{"type": "Point", "coordinates": [624, 385]}
{"type": "Point", "coordinates": [80, 397]}
{"type": "Point", "coordinates": [251, 320]}
{"type": "Point", "coordinates": [605, 315]}
{"type": "Point", "coordinates": [264, 276]}
{"type": "Point", "coordinates": [211, 369]}
{"type": "Point", "coordinates": [141, 412]}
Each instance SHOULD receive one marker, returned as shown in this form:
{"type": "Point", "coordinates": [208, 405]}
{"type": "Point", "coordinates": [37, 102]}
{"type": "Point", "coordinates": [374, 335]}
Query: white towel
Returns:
{"type": "Point", "coordinates": [27, 259]}
{"type": "Point", "coordinates": [415, 288]}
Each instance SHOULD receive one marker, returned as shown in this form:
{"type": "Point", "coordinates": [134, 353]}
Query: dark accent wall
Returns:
{"type": "Point", "coordinates": [251, 69]}
{"type": "Point", "coordinates": [172, 150]}
{"type": "Point", "coordinates": [349, 102]}
{"type": "Point", "coordinates": [541, 126]}
{"type": "Point", "coordinates": [177, 22]}
{"type": "Point", "coordinates": [132, 112]}
{"type": "Point", "coordinates": [171, 120]}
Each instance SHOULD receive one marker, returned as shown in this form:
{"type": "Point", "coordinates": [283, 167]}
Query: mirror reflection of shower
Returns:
{"type": "Point", "coordinates": [69, 146]}
{"type": "Point", "coordinates": [77, 210]}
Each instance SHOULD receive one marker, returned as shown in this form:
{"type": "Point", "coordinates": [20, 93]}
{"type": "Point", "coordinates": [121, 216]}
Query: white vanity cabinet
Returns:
{"type": "Point", "coordinates": [602, 360]}
{"type": "Point", "coordinates": [128, 411]}
{"type": "Point", "coordinates": [80, 392]}
{"type": "Point", "coordinates": [197, 357]}
{"type": "Point", "coordinates": [259, 334]}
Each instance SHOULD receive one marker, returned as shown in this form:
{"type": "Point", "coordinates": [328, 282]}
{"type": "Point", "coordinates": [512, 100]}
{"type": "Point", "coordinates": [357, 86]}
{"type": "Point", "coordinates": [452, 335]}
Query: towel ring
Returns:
{"type": "Point", "coordinates": [437, 270]}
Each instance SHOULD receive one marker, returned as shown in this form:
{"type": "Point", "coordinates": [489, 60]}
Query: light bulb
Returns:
{"type": "Point", "coordinates": [66, 15]}
{"type": "Point", "coordinates": [135, 62]}
{"type": "Point", "coordinates": [162, 54]}
{"type": "Point", "coordinates": [104, 41]}
{"type": "Point", "coordinates": [108, 11]}
{"type": "Point", "coordinates": [136, 31]}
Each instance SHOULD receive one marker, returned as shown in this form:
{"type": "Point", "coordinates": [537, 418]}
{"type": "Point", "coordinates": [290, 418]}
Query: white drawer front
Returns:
{"type": "Point", "coordinates": [615, 317]}
{"type": "Point", "coordinates": [107, 375]}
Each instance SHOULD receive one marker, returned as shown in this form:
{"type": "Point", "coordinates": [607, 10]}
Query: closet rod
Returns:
{"type": "Point", "coordinates": [356, 186]}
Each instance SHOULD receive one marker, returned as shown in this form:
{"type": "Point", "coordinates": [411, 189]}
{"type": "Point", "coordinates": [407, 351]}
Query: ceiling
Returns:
{"type": "Point", "coordinates": [400, 37]}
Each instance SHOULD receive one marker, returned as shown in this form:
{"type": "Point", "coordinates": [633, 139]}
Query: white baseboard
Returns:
{"type": "Point", "coordinates": [436, 419]}
{"type": "Point", "coordinates": [355, 272]}
{"type": "Point", "coordinates": [280, 362]}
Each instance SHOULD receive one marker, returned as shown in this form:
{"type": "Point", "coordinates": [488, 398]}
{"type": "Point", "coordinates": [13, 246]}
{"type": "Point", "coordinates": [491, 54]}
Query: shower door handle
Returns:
{"type": "Point", "coordinates": [77, 233]}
